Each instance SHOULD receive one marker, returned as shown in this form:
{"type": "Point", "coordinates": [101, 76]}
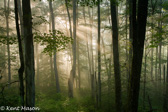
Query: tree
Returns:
{"type": "Point", "coordinates": [138, 30]}
{"type": "Point", "coordinates": [55, 63]}
{"type": "Point", "coordinates": [7, 12]}
{"type": "Point", "coordinates": [29, 54]}
{"type": "Point", "coordinates": [99, 55]}
{"type": "Point", "coordinates": [116, 56]}
{"type": "Point", "coordinates": [21, 69]}
{"type": "Point", "coordinates": [20, 16]}
{"type": "Point", "coordinates": [73, 71]}
{"type": "Point", "coordinates": [165, 105]}
{"type": "Point", "coordinates": [37, 65]}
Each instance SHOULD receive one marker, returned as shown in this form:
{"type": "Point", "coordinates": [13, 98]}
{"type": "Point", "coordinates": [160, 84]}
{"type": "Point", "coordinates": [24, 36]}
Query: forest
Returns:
{"type": "Point", "coordinates": [83, 55]}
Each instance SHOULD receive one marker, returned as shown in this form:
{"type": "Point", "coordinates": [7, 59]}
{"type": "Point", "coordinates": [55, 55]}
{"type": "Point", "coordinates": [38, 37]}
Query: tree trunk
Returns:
{"type": "Point", "coordinates": [96, 91]}
{"type": "Point", "coordinates": [37, 65]}
{"type": "Point", "coordinates": [160, 44]}
{"type": "Point", "coordinates": [118, 100]}
{"type": "Point", "coordinates": [21, 69]}
{"type": "Point", "coordinates": [55, 63]}
{"type": "Point", "coordinates": [127, 43]}
{"type": "Point", "coordinates": [51, 60]}
{"type": "Point", "coordinates": [164, 74]}
{"type": "Point", "coordinates": [156, 68]}
{"type": "Point", "coordinates": [139, 30]}
{"type": "Point", "coordinates": [144, 89]}
{"type": "Point", "coordinates": [78, 54]}
{"type": "Point", "coordinates": [29, 54]}
{"type": "Point", "coordinates": [7, 33]}
{"type": "Point", "coordinates": [99, 56]}
{"type": "Point", "coordinates": [165, 105]}
{"type": "Point", "coordinates": [91, 23]}
{"type": "Point", "coordinates": [79, 76]}
{"type": "Point", "coordinates": [69, 17]}
{"type": "Point", "coordinates": [132, 20]}
{"type": "Point", "coordinates": [56, 73]}
{"type": "Point", "coordinates": [87, 47]}
{"type": "Point", "coordinates": [153, 9]}
{"type": "Point", "coordinates": [73, 74]}
{"type": "Point", "coordinates": [51, 67]}
{"type": "Point", "coordinates": [20, 17]}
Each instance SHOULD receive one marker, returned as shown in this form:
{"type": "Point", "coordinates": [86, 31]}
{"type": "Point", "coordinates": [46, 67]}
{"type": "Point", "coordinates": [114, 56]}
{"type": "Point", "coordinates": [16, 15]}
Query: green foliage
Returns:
{"type": "Point", "coordinates": [165, 5]}
{"type": "Point", "coordinates": [61, 103]}
{"type": "Point", "coordinates": [2, 30]}
{"type": "Point", "coordinates": [89, 3]}
{"type": "Point", "coordinates": [4, 39]}
{"type": "Point", "coordinates": [11, 97]}
{"type": "Point", "coordinates": [2, 60]}
{"type": "Point", "coordinates": [53, 41]}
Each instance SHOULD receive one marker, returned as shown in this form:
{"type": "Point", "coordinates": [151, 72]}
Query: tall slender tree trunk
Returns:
{"type": "Point", "coordinates": [152, 48]}
{"type": "Point", "coordinates": [51, 59]}
{"type": "Point", "coordinates": [78, 60]}
{"type": "Point", "coordinates": [153, 4]}
{"type": "Point", "coordinates": [29, 54]}
{"type": "Point", "coordinates": [126, 35]}
{"type": "Point", "coordinates": [20, 17]}
{"type": "Point", "coordinates": [165, 105]}
{"type": "Point", "coordinates": [56, 73]}
{"type": "Point", "coordinates": [73, 71]}
{"type": "Point", "coordinates": [55, 61]}
{"type": "Point", "coordinates": [37, 65]}
{"type": "Point", "coordinates": [69, 17]}
{"type": "Point", "coordinates": [132, 20]}
{"type": "Point", "coordinates": [87, 47]}
{"type": "Point", "coordinates": [118, 100]}
{"type": "Point", "coordinates": [70, 80]}
{"type": "Point", "coordinates": [91, 53]}
{"type": "Point", "coordinates": [160, 44]}
{"type": "Point", "coordinates": [164, 75]}
{"type": "Point", "coordinates": [21, 69]}
{"type": "Point", "coordinates": [144, 89]}
{"type": "Point", "coordinates": [156, 68]}
{"type": "Point", "coordinates": [51, 67]}
{"type": "Point", "coordinates": [91, 41]}
{"type": "Point", "coordinates": [99, 56]}
{"type": "Point", "coordinates": [6, 7]}
{"type": "Point", "coordinates": [110, 66]}
{"type": "Point", "coordinates": [96, 91]}
{"type": "Point", "coordinates": [78, 55]}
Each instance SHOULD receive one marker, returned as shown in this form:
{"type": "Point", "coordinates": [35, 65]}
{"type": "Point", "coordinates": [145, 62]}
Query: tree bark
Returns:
{"type": "Point", "coordinates": [160, 44]}
{"type": "Point", "coordinates": [51, 67]}
{"type": "Point", "coordinates": [7, 33]}
{"type": "Point", "coordinates": [73, 74]}
{"type": "Point", "coordinates": [144, 89]}
{"type": "Point", "coordinates": [91, 23]}
{"type": "Point", "coordinates": [99, 56]}
{"type": "Point", "coordinates": [139, 30]}
{"type": "Point", "coordinates": [69, 17]}
{"type": "Point", "coordinates": [29, 54]}
{"type": "Point", "coordinates": [78, 55]}
{"type": "Point", "coordinates": [87, 47]}
{"type": "Point", "coordinates": [20, 17]}
{"type": "Point", "coordinates": [165, 105]}
{"type": "Point", "coordinates": [37, 65]}
{"type": "Point", "coordinates": [118, 100]}
{"type": "Point", "coordinates": [156, 68]}
{"type": "Point", "coordinates": [21, 69]}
